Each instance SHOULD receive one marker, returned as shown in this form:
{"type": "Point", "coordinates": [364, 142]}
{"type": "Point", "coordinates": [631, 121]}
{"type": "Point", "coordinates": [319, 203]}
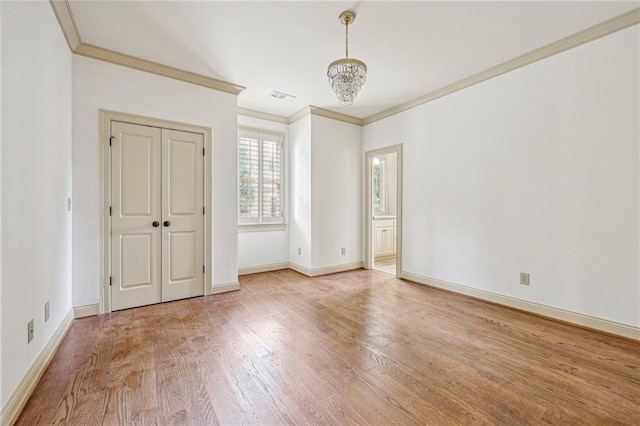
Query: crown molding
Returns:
{"type": "Point", "coordinates": [321, 112]}
{"type": "Point", "coordinates": [67, 23]}
{"type": "Point", "coordinates": [590, 34]}
{"type": "Point", "coordinates": [300, 114]}
{"type": "Point", "coordinates": [263, 115]}
{"type": "Point", "coordinates": [63, 13]}
{"type": "Point", "coordinates": [118, 58]}
{"type": "Point", "coordinates": [69, 28]}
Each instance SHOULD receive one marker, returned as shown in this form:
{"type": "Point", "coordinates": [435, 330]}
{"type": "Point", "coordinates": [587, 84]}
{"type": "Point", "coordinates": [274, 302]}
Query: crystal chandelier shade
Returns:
{"type": "Point", "coordinates": [347, 76]}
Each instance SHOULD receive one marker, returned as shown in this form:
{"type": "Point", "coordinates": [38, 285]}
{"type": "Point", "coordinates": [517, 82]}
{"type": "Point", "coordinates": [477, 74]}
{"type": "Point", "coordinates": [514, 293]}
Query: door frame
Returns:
{"type": "Point", "coordinates": [368, 210]}
{"type": "Point", "coordinates": [106, 117]}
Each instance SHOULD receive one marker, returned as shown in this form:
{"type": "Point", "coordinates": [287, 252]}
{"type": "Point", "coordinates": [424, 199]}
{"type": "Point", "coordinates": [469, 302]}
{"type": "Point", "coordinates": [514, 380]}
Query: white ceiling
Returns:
{"type": "Point", "coordinates": [411, 48]}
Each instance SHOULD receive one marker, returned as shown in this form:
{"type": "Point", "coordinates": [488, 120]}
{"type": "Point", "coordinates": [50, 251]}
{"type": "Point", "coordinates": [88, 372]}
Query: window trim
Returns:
{"type": "Point", "coordinates": [262, 224]}
{"type": "Point", "coordinates": [256, 227]}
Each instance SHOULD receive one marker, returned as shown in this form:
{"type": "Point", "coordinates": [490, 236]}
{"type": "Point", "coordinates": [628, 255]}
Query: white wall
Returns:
{"type": "Point", "coordinates": [36, 181]}
{"type": "Point", "coordinates": [324, 204]}
{"type": "Point", "coordinates": [536, 171]}
{"type": "Point", "coordinates": [100, 85]}
{"type": "Point", "coordinates": [336, 170]}
{"type": "Point", "coordinates": [300, 214]}
{"type": "Point", "coordinates": [261, 248]}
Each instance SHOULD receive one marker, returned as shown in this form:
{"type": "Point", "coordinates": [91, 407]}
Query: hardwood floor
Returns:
{"type": "Point", "coordinates": [388, 265]}
{"type": "Point", "coordinates": [354, 348]}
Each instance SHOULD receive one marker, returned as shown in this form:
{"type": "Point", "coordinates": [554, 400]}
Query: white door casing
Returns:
{"type": "Point", "coordinates": [370, 242]}
{"type": "Point", "coordinates": [157, 215]}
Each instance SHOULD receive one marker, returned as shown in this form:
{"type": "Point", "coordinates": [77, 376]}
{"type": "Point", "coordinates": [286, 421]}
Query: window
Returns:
{"type": "Point", "coordinates": [379, 186]}
{"type": "Point", "coordinates": [260, 178]}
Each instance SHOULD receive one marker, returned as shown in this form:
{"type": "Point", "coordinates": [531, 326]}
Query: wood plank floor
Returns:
{"type": "Point", "coordinates": [354, 348]}
{"type": "Point", "coordinates": [388, 265]}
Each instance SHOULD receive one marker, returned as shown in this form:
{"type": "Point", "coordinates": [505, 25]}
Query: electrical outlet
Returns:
{"type": "Point", "coordinates": [46, 312]}
{"type": "Point", "coordinates": [343, 251]}
{"type": "Point", "coordinates": [29, 331]}
{"type": "Point", "coordinates": [299, 250]}
{"type": "Point", "coordinates": [524, 278]}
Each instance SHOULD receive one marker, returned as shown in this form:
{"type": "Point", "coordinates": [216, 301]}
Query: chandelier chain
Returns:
{"type": "Point", "coordinates": [346, 38]}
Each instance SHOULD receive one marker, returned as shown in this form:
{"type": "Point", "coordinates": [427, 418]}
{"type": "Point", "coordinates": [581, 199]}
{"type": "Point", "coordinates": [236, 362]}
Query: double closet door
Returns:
{"type": "Point", "coordinates": [157, 215]}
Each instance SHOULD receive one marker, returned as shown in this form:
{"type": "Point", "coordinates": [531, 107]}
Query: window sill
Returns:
{"type": "Point", "coordinates": [262, 228]}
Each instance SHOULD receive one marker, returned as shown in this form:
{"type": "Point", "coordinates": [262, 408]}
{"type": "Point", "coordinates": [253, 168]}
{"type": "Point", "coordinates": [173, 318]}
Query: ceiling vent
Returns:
{"type": "Point", "coordinates": [280, 95]}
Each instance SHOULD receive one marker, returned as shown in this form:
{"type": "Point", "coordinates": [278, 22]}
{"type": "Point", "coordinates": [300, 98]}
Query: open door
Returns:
{"type": "Point", "coordinates": [383, 212]}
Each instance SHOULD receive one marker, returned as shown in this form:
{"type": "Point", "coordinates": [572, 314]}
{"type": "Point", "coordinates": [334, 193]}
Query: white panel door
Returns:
{"type": "Point", "coordinates": [157, 215]}
{"type": "Point", "coordinates": [135, 205]}
{"type": "Point", "coordinates": [182, 215]}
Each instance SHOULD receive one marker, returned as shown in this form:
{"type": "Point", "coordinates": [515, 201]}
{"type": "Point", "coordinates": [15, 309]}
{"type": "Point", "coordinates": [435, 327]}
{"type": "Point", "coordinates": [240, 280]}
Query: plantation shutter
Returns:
{"type": "Point", "coordinates": [249, 177]}
{"type": "Point", "coordinates": [271, 179]}
{"type": "Point", "coordinates": [260, 177]}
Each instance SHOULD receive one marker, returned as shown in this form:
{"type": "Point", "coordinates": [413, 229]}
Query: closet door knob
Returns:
{"type": "Point", "coordinates": [155, 224]}
{"type": "Point", "coordinates": [167, 223]}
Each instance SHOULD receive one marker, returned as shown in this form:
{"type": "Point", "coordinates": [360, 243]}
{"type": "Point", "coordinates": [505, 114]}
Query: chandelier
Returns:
{"type": "Point", "coordinates": [347, 76]}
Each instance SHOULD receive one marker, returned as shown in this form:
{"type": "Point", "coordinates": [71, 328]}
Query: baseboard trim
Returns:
{"type": "Point", "coordinates": [326, 270]}
{"type": "Point", "coordinates": [20, 396]}
{"type": "Point", "coordinates": [575, 318]}
{"type": "Point", "coordinates": [263, 268]}
{"type": "Point", "coordinates": [225, 287]}
{"type": "Point", "coordinates": [300, 269]}
{"type": "Point", "coordinates": [336, 268]}
{"type": "Point", "coordinates": [86, 311]}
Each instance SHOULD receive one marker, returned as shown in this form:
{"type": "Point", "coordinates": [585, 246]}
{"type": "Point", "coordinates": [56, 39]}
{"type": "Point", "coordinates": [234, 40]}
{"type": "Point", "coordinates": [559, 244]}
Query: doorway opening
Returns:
{"type": "Point", "coordinates": [384, 210]}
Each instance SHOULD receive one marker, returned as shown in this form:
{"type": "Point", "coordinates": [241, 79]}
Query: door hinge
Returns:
{"type": "Point", "coordinates": [203, 269]}
{"type": "Point", "coordinates": [109, 281]}
{"type": "Point", "coordinates": [203, 210]}
{"type": "Point", "coordinates": [111, 138]}
{"type": "Point", "coordinates": [203, 152]}
{"type": "Point", "coordinates": [109, 210]}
